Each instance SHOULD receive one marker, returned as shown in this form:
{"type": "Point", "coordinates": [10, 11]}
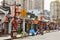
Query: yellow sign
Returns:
{"type": "Point", "coordinates": [23, 13]}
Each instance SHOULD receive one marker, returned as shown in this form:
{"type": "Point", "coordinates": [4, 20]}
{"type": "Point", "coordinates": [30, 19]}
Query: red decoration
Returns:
{"type": "Point", "coordinates": [17, 10]}
{"type": "Point", "coordinates": [7, 19]}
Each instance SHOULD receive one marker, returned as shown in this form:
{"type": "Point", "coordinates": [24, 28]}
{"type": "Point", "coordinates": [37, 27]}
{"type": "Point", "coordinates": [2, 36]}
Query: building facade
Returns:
{"type": "Point", "coordinates": [28, 4]}
{"type": "Point", "coordinates": [55, 9]}
{"type": "Point", "coordinates": [39, 4]}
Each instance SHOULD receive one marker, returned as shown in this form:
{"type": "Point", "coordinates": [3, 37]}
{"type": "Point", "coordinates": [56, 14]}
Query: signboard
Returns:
{"type": "Point", "coordinates": [23, 13]}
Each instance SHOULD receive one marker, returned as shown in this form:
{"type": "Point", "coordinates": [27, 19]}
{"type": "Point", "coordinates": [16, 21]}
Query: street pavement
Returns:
{"type": "Point", "coordinates": [47, 36]}
{"type": "Point", "coordinates": [7, 37]}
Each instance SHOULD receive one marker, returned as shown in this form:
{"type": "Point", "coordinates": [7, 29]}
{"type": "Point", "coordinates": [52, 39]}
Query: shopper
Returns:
{"type": "Point", "coordinates": [14, 28]}
{"type": "Point", "coordinates": [0, 28]}
{"type": "Point", "coordinates": [35, 22]}
{"type": "Point", "coordinates": [47, 28]}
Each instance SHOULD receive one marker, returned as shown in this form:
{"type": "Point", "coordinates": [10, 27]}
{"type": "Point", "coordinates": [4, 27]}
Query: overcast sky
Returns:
{"type": "Point", "coordinates": [0, 1]}
{"type": "Point", "coordinates": [46, 4]}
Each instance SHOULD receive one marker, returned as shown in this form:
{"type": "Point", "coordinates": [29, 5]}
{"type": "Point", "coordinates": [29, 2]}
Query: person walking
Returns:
{"type": "Point", "coordinates": [47, 28]}
{"type": "Point", "coordinates": [35, 22]}
{"type": "Point", "coordinates": [14, 28]}
{"type": "Point", "coordinates": [41, 29]}
{"type": "Point", "coordinates": [0, 28]}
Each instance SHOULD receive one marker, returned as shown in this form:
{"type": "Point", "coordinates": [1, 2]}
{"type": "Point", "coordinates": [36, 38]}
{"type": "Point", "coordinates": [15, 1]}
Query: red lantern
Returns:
{"type": "Point", "coordinates": [7, 19]}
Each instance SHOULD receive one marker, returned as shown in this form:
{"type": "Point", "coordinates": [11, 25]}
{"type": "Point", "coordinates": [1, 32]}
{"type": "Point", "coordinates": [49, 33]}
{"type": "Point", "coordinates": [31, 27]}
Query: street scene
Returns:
{"type": "Point", "coordinates": [29, 20]}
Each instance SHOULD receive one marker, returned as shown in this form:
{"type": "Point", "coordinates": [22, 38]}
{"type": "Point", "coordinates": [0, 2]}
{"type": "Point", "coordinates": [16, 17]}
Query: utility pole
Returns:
{"type": "Point", "coordinates": [23, 4]}
{"type": "Point", "coordinates": [23, 17]}
{"type": "Point", "coordinates": [15, 9]}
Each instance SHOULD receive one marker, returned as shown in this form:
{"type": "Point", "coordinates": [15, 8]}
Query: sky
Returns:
{"type": "Point", "coordinates": [0, 1]}
{"type": "Point", "coordinates": [46, 4]}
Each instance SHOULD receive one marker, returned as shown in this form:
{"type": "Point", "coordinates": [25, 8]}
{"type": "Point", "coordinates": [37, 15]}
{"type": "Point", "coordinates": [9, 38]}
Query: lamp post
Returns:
{"type": "Point", "coordinates": [24, 18]}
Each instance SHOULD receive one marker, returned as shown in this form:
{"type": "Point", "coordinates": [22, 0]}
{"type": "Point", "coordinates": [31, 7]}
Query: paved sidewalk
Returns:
{"type": "Point", "coordinates": [8, 37]}
{"type": "Point", "coordinates": [47, 36]}
{"type": "Point", "coordinates": [18, 36]}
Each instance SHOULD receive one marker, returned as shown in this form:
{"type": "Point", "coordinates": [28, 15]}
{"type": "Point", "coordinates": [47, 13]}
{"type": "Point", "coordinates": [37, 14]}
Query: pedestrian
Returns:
{"type": "Point", "coordinates": [35, 22]}
{"type": "Point", "coordinates": [41, 29]}
{"type": "Point", "coordinates": [28, 25]}
{"type": "Point", "coordinates": [14, 28]}
{"type": "Point", "coordinates": [38, 28]}
{"type": "Point", "coordinates": [0, 28]}
{"type": "Point", "coordinates": [47, 28]}
{"type": "Point", "coordinates": [3, 30]}
{"type": "Point", "coordinates": [58, 27]}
